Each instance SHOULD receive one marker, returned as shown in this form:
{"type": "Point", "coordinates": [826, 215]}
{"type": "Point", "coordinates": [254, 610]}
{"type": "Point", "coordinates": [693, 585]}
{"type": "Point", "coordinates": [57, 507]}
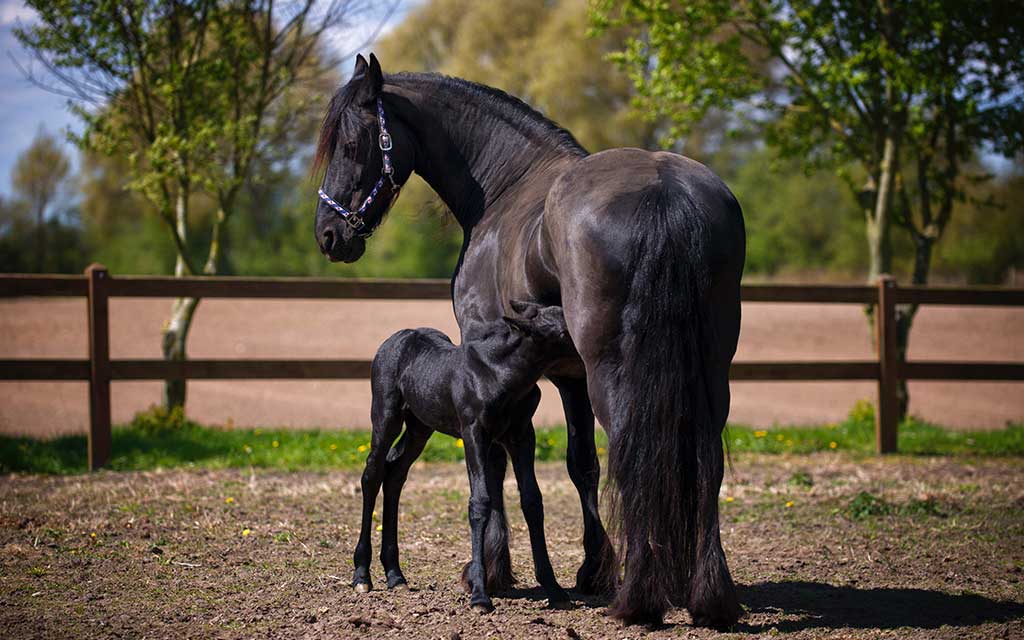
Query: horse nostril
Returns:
{"type": "Point", "coordinates": [328, 240]}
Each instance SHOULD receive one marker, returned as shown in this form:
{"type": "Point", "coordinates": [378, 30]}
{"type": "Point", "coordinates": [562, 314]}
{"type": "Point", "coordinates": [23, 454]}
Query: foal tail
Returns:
{"type": "Point", "coordinates": [663, 443]}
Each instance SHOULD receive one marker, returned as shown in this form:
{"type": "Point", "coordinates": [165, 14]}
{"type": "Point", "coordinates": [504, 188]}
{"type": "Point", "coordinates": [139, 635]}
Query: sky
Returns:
{"type": "Point", "coordinates": [25, 108]}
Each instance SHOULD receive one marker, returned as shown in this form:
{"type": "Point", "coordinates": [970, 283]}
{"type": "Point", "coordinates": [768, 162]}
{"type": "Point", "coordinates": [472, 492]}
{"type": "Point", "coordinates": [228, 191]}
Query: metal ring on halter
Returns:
{"type": "Point", "coordinates": [355, 218]}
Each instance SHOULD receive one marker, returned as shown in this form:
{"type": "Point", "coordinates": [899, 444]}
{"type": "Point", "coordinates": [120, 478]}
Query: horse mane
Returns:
{"type": "Point", "coordinates": [488, 100]}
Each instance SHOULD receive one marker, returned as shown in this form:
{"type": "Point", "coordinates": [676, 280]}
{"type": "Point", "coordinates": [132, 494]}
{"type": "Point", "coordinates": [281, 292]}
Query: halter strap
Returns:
{"type": "Point", "coordinates": [355, 218]}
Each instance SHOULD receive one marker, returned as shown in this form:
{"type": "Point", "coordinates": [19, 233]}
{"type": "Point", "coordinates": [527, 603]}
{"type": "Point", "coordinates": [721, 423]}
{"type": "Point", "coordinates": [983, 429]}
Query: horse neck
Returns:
{"type": "Point", "coordinates": [470, 152]}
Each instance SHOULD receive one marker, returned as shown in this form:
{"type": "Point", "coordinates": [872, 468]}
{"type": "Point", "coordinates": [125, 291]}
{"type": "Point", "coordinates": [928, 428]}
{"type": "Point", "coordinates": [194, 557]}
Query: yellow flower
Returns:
{"type": "Point", "coordinates": [380, 527]}
{"type": "Point", "coordinates": [374, 515]}
{"type": "Point", "coordinates": [780, 437]}
{"type": "Point", "coordinates": [258, 432]}
{"type": "Point", "coordinates": [92, 535]}
{"type": "Point", "coordinates": [789, 443]}
{"type": "Point", "coordinates": [245, 532]}
{"type": "Point", "coordinates": [362, 448]}
{"type": "Point", "coordinates": [247, 449]}
{"type": "Point", "coordinates": [275, 444]}
{"type": "Point", "coordinates": [601, 451]}
{"type": "Point", "coordinates": [459, 443]}
{"type": "Point", "coordinates": [551, 442]}
{"type": "Point", "coordinates": [789, 504]}
{"type": "Point", "coordinates": [729, 499]}
{"type": "Point", "coordinates": [760, 434]}
{"type": "Point", "coordinates": [833, 444]}
{"type": "Point", "coordinates": [333, 447]}
{"type": "Point", "coordinates": [229, 500]}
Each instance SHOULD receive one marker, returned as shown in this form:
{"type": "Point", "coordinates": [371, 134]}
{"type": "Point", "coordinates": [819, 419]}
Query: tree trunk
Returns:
{"type": "Point", "coordinates": [905, 313]}
{"type": "Point", "coordinates": [40, 239]}
{"type": "Point", "coordinates": [175, 333]}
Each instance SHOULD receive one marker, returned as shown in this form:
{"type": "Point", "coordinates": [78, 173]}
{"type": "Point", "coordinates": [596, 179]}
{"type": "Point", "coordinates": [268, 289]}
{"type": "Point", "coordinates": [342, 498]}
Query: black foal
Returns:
{"type": "Point", "coordinates": [483, 391]}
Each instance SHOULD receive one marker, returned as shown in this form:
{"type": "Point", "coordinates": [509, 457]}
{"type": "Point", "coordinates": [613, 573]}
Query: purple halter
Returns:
{"type": "Point", "coordinates": [355, 218]}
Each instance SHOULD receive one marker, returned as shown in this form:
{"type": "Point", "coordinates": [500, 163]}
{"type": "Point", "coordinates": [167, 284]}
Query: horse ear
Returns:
{"type": "Point", "coordinates": [374, 78]}
{"type": "Point", "coordinates": [361, 66]}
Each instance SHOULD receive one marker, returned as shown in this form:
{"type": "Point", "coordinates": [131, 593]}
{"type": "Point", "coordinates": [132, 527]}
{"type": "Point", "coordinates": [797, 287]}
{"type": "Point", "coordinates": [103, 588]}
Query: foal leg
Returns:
{"type": "Point", "coordinates": [597, 573]}
{"type": "Point", "coordinates": [387, 424]}
{"type": "Point", "coordinates": [477, 452]}
{"type": "Point", "coordinates": [496, 553]}
{"type": "Point", "coordinates": [404, 454]}
{"type": "Point", "coordinates": [522, 448]}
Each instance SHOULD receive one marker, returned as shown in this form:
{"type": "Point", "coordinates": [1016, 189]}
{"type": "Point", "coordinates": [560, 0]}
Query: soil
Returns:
{"type": "Point", "coordinates": [232, 554]}
{"type": "Point", "coordinates": [55, 328]}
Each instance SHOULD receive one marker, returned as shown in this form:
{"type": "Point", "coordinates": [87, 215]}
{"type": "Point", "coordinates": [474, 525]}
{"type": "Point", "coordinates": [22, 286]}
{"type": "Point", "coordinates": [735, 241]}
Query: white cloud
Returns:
{"type": "Point", "coordinates": [12, 11]}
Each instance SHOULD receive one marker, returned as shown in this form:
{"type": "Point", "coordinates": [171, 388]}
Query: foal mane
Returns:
{"type": "Point", "coordinates": [487, 101]}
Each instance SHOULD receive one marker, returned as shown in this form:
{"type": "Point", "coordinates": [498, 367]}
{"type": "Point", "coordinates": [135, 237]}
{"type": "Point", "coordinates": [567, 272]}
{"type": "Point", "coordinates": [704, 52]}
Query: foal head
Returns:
{"type": "Point", "coordinates": [368, 155]}
{"type": "Point", "coordinates": [542, 325]}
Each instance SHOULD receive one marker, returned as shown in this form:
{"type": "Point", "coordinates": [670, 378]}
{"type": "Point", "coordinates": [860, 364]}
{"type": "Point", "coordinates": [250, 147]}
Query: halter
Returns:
{"type": "Point", "coordinates": [355, 218]}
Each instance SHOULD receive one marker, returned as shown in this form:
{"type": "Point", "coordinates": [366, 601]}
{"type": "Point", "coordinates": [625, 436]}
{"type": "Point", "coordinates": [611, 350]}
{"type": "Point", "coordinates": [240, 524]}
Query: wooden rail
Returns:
{"type": "Point", "coordinates": [98, 286]}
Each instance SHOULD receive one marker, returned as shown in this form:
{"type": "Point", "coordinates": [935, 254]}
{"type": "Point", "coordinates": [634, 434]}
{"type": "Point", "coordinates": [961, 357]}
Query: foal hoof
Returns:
{"type": "Point", "coordinates": [363, 587]}
{"type": "Point", "coordinates": [483, 608]}
{"type": "Point", "coordinates": [399, 586]}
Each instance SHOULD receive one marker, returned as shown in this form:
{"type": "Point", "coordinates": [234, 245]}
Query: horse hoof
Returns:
{"type": "Point", "coordinates": [401, 586]}
{"type": "Point", "coordinates": [482, 608]}
{"type": "Point", "coordinates": [563, 605]}
{"type": "Point", "coordinates": [363, 587]}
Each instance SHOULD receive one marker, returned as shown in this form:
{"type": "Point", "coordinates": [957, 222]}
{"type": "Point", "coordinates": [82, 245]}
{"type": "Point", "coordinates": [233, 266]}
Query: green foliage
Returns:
{"type": "Point", "coordinates": [801, 479]}
{"type": "Point", "coordinates": [865, 505]}
{"type": "Point", "coordinates": [167, 439]}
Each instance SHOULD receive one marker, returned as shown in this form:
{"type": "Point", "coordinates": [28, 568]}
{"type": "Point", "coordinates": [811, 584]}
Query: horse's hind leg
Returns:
{"type": "Point", "coordinates": [596, 574]}
{"type": "Point", "coordinates": [387, 424]}
{"type": "Point", "coordinates": [522, 449]}
{"type": "Point", "coordinates": [406, 451]}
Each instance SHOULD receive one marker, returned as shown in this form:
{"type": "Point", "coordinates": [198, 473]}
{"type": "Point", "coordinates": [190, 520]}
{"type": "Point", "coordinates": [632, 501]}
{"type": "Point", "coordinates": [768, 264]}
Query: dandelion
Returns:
{"type": "Point", "coordinates": [258, 432]}
{"type": "Point", "coordinates": [229, 500]}
{"type": "Point", "coordinates": [362, 448]}
{"type": "Point", "coordinates": [780, 437]}
{"type": "Point", "coordinates": [601, 451]}
{"type": "Point", "coordinates": [380, 527]}
{"type": "Point", "coordinates": [760, 434]}
{"type": "Point", "coordinates": [833, 444]}
{"type": "Point", "coordinates": [374, 515]}
{"type": "Point", "coordinates": [247, 449]}
{"type": "Point", "coordinates": [789, 504]}
{"type": "Point", "coordinates": [789, 443]}
{"type": "Point", "coordinates": [459, 443]}
{"type": "Point", "coordinates": [333, 447]}
{"type": "Point", "coordinates": [551, 442]}
{"type": "Point", "coordinates": [245, 532]}
{"type": "Point", "coordinates": [275, 444]}
{"type": "Point", "coordinates": [730, 499]}
{"type": "Point", "coordinates": [92, 535]}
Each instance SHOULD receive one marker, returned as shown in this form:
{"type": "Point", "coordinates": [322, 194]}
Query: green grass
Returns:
{"type": "Point", "coordinates": [156, 439]}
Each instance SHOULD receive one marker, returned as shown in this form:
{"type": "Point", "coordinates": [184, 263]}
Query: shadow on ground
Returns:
{"type": "Point", "coordinates": [828, 606]}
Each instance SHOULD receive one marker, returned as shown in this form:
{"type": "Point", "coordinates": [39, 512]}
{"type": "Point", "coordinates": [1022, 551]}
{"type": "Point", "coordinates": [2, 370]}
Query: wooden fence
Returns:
{"type": "Point", "coordinates": [98, 286]}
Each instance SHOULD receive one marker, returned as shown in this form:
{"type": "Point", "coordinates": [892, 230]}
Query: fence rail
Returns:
{"type": "Point", "coordinates": [98, 286]}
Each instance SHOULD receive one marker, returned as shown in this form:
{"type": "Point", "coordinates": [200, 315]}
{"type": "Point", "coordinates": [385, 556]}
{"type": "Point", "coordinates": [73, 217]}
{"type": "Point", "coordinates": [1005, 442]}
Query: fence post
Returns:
{"type": "Point", "coordinates": [99, 367]}
{"type": "Point", "coordinates": [886, 421]}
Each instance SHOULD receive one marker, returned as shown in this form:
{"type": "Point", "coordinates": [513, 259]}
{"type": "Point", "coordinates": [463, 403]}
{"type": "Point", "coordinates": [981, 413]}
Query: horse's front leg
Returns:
{"type": "Point", "coordinates": [522, 448]}
{"type": "Point", "coordinates": [597, 573]}
{"type": "Point", "coordinates": [477, 445]}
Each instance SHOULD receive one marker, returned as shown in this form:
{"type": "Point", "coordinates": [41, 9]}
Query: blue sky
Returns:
{"type": "Point", "coordinates": [24, 107]}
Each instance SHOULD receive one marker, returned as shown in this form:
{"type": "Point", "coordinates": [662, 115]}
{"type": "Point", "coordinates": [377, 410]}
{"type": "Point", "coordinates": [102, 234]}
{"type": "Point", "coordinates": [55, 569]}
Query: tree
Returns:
{"type": "Point", "coordinates": [896, 96]}
{"type": "Point", "coordinates": [37, 177]}
{"type": "Point", "coordinates": [193, 93]}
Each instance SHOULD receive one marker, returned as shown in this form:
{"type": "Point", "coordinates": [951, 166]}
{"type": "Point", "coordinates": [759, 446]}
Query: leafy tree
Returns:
{"type": "Point", "coordinates": [37, 178]}
{"type": "Point", "coordinates": [904, 92]}
{"type": "Point", "coordinates": [193, 93]}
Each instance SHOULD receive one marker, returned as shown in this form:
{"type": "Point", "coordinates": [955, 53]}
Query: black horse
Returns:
{"type": "Point", "coordinates": [484, 391]}
{"type": "Point", "coordinates": [643, 250]}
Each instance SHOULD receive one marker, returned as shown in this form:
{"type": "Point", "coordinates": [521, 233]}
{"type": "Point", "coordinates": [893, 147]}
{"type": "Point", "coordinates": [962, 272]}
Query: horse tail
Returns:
{"type": "Point", "coordinates": [662, 440]}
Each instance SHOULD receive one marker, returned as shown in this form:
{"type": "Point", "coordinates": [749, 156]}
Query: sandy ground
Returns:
{"type": "Point", "coordinates": [229, 554]}
{"type": "Point", "coordinates": [54, 328]}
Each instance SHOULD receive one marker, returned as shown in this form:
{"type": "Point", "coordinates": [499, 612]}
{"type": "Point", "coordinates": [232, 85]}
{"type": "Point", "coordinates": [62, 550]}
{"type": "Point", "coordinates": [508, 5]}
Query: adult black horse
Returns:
{"type": "Point", "coordinates": [643, 250]}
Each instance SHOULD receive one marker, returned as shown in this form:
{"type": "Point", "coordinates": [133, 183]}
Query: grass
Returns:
{"type": "Point", "coordinates": [157, 439]}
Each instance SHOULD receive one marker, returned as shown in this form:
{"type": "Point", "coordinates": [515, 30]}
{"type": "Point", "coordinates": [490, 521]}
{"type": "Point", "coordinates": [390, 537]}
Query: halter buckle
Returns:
{"type": "Point", "coordinates": [384, 141]}
{"type": "Point", "coordinates": [355, 221]}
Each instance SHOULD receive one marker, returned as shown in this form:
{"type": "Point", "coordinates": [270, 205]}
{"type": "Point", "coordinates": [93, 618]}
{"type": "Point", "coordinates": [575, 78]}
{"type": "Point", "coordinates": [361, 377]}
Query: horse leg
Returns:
{"type": "Point", "coordinates": [404, 454]}
{"type": "Point", "coordinates": [597, 573]}
{"type": "Point", "coordinates": [496, 537]}
{"type": "Point", "coordinates": [477, 445]}
{"type": "Point", "coordinates": [387, 423]}
{"type": "Point", "coordinates": [522, 449]}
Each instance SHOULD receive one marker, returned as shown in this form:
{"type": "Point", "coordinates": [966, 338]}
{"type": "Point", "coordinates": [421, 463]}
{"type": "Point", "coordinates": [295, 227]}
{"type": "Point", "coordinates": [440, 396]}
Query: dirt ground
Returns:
{"type": "Point", "coordinates": [54, 328]}
{"type": "Point", "coordinates": [231, 554]}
